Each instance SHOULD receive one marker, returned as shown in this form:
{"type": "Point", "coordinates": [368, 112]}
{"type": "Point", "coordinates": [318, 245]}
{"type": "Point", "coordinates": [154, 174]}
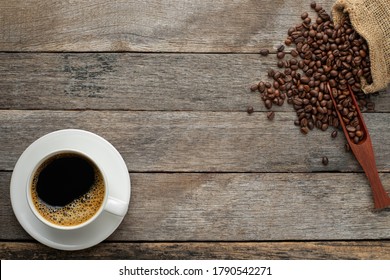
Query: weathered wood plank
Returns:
{"type": "Point", "coordinates": [239, 207]}
{"type": "Point", "coordinates": [198, 141]}
{"type": "Point", "coordinates": [126, 81]}
{"type": "Point", "coordinates": [151, 26]}
{"type": "Point", "coordinates": [360, 250]}
{"type": "Point", "coordinates": [123, 81]}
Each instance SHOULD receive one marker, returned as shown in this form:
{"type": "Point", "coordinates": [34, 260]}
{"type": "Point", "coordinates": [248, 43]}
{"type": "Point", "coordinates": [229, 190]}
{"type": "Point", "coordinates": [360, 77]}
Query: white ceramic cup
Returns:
{"type": "Point", "coordinates": [110, 204]}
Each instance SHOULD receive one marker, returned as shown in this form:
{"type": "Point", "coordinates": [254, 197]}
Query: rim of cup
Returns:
{"type": "Point", "coordinates": [29, 191]}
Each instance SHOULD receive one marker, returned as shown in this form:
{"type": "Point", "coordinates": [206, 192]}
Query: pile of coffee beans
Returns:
{"type": "Point", "coordinates": [325, 54]}
{"type": "Point", "coordinates": [349, 116]}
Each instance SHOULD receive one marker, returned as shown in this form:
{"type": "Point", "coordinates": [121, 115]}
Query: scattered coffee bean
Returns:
{"type": "Point", "coordinates": [271, 115]}
{"type": "Point", "coordinates": [325, 160]}
{"type": "Point", "coordinates": [264, 52]}
{"type": "Point", "coordinates": [334, 134]}
{"type": "Point", "coordinates": [304, 15]}
{"type": "Point", "coordinates": [304, 129]}
{"type": "Point", "coordinates": [254, 87]}
{"type": "Point", "coordinates": [250, 110]}
{"type": "Point", "coordinates": [280, 48]}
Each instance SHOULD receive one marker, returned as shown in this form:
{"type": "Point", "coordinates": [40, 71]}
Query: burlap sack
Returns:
{"type": "Point", "coordinates": [371, 19]}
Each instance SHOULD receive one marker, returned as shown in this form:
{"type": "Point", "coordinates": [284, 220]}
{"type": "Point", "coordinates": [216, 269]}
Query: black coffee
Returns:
{"type": "Point", "coordinates": [65, 179]}
{"type": "Point", "coordinates": [67, 189]}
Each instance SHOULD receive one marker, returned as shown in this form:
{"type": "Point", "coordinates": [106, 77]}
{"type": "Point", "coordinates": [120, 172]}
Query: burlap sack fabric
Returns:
{"type": "Point", "coordinates": [371, 19]}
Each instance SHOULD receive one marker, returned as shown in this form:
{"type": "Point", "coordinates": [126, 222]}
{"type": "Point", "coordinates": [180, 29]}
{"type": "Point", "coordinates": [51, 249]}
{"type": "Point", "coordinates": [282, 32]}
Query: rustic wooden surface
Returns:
{"type": "Point", "coordinates": [167, 83]}
{"type": "Point", "coordinates": [335, 250]}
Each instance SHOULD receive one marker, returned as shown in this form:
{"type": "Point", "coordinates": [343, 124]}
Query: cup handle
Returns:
{"type": "Point", "coordinates": [116, 206]}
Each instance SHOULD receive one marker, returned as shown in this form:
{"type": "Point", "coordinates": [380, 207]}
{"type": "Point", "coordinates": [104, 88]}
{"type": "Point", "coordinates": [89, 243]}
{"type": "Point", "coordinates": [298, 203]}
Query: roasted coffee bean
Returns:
{"type": "Point", "coordinates": [280, 55]}
{"type": "Point", "coordinates": [264, 52]}
{"type": "Point", "coordinates": [254, 87]}
{"type": "Point", "coordinates": [312, 33]}
{"type": "Point", "coordinates": [350, 128]}
{"type": "Point", "coordinates": [306, 48]}
{"type": "Point", "coordinates": [280, 48]}
{"type": "Point", "coordinates": [334, 134]}
{"type": "Point", "coordinates": [261, 87]}
{"type": "Point", "coordinates": [357, 60]}
{"type": "Point", "coordinates": [303, 122]}
{"type": "Point", "coordinates": [305, 130]}
{"type": "Point", "coordinates": [307, 21]}
{"type": "Point", "coordinates": [298, 101]}
{"type": "Point", "coordinates": [271, 115]}
{"type": "Point", "coordinates": [318, 8]}
{"type": "Point", "coordinates": [305, 80]}
{"type": "Point", "coordinates": [293, 61]}
{"type": "Point", "coordinates": [325, 160]}
{"type": "Point", "coordinates": [334, 73]}
{"type": "Point", "coordinates": [308, 108]}
{"type": "Point", "coordinates": [294, 53]}
{"type": "Point", "coordinates": [277, 75]}
{"type": "Point", "coordinates": [249, 110]}
{"type": "Point", "coordinates": [304, 15]}
{"type": "Point", "coordinates": [268, 104]}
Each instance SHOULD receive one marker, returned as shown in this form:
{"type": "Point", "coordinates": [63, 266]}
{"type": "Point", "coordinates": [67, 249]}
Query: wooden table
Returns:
{"type": "Point", "coordinates": [167, 83]}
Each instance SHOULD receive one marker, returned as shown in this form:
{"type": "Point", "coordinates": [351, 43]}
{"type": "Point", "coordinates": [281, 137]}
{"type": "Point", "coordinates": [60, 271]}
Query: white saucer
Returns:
{"type": "Point", "coordinates": [98, 149]}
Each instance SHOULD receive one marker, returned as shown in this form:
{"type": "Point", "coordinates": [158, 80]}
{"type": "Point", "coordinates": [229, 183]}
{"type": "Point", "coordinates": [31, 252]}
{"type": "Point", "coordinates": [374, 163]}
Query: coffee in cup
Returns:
{"type": "Point", "coordinates": [67, 189]}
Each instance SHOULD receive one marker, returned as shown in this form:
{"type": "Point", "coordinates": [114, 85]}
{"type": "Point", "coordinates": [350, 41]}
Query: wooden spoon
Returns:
{"type": "Point", "coordinates": [364, 154]}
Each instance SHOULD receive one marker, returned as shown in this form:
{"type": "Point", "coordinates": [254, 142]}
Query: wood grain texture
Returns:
{"type": "Point", "coordinates": [126, 81]}
{"type": "Point", "coordinates": [198, 141]}
{"type": "Point", "coordinates": [239, 207]}
{"type": "Point", "coordinates": [336, 250]}
{"type": "Point", "coordinates": [167, 82]}
{"type": "Point", "coordinates": [151, 26]}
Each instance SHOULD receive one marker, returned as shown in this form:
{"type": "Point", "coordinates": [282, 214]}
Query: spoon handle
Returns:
{"type": "Point", "coordinates": [365, 156]}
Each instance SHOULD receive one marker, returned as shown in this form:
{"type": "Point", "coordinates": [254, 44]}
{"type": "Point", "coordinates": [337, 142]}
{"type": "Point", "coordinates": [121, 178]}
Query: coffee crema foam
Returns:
{"type": "Point", "coordinates": [79, 210]}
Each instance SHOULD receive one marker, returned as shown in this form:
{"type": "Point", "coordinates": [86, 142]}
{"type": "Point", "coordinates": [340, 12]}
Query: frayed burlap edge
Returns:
{"type": "Point", "coordinates": [371, 19]}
